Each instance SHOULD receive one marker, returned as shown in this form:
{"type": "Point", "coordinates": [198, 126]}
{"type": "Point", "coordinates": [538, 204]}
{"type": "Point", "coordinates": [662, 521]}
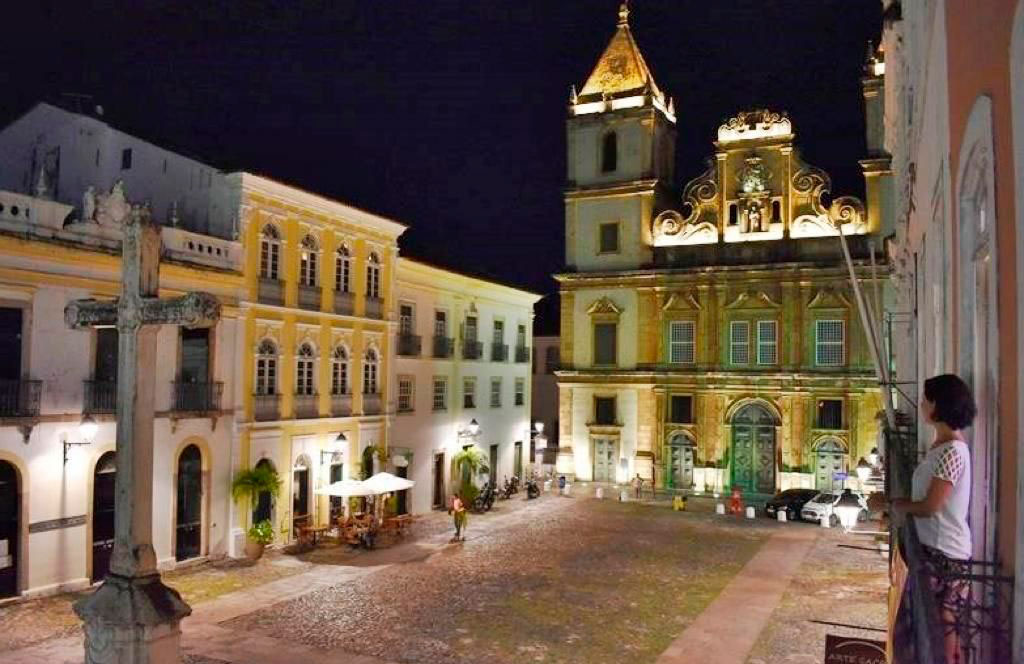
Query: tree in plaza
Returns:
{"type": "Point", "coordinates": [467, 465]}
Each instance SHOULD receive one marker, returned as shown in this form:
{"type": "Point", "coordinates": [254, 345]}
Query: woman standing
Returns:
{"type": "Point", "coordinates": [940, 496]}
{"type": "Point", "coordinates": [458, 512]}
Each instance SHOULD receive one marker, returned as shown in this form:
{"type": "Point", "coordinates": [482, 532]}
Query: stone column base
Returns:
{"type": "Point", "coordinates": [132, 621]}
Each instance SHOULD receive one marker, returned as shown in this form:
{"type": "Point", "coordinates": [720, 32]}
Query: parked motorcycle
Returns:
{"type": "Point", "coordinates": [532, 489]}
{"type": "Point", "coordinates": [485, 499]}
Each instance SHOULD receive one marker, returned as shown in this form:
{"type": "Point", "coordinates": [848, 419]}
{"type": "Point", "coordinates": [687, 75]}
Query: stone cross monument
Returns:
{"type": "Point", "coordinates": [133, 618]}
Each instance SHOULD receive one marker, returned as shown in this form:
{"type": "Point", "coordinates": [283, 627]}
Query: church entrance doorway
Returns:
{"type": "Point", "coordinates": [831, 459]}
{"type": "Point", "coordinates": [10, 529]}
{"type": "Point", "coordinates": [753, 450]}
{"type": "Point", "coordinates": [605, 455]}
{"type": "Point", "coordinates": [189, 518]}
{"type": "Point", "coordinates": [680, 461]}
{"type": "Point", "coordinates": [103, 515]}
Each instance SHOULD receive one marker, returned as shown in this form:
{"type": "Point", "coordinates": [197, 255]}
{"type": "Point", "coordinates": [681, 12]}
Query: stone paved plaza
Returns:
{"type": "Point", "coordinates": [552, 580]}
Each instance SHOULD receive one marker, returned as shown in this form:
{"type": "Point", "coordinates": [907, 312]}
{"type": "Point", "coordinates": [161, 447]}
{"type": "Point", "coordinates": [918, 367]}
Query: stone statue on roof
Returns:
{"type": "Point", "coordinates": [112, 208]}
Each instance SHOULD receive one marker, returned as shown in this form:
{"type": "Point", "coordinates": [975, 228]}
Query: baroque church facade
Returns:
{"type": "Point", "coordinates": [710, 335]}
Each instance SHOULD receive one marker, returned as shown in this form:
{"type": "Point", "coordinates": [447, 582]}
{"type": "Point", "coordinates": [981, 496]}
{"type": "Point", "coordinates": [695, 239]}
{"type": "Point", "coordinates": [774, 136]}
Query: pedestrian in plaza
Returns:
{"type": "Point", "coordinates": [458, 512]}
{"type": "Point", "coordinates": [638, 483]}
{"type": "Point", "coordinates": [940, 496]}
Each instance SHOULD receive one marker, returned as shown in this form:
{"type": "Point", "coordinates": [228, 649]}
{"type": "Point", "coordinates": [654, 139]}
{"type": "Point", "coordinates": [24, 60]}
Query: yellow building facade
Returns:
{"type": "Point", "coordinates": [709, 334]}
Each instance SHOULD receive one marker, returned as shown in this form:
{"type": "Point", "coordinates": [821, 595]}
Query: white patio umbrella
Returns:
{"type": "Point", "coordinates": [388, 483]}
{"type": "Point", "coordinates": [346, 489]}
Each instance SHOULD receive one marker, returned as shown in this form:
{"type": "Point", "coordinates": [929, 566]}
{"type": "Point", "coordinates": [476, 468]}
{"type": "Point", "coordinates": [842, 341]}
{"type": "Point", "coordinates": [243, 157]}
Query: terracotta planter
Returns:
{"type": "Point", "coordinates": [253, 549]}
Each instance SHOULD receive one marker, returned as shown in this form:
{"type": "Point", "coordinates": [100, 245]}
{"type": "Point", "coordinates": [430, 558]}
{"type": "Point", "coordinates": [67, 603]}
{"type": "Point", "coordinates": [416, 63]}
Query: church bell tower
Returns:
{"type": "Point", "coordinates": [621, 156]}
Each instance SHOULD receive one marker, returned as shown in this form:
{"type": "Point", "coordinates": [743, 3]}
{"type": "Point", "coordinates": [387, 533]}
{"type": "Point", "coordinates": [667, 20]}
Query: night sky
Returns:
{"type": "Point", "coordinates": [448, 116]}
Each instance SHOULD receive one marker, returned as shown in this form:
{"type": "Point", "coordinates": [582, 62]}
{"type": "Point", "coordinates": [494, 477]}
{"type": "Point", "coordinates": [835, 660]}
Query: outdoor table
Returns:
{"type": "Point", "coordinates": [313, 531]}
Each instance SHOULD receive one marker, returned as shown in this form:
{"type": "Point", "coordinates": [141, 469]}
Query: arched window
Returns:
{"type": "Point", "coordinates": [609, 152]}
{"type": "Point", "coordinates": [370, 368]}
{"type": "Point", "coordinates": [266, 368]}
{"type": "Point", "coordinates": [343, 270]}
{"type": "Point", "coordinates": [373, 276]}
{"type": "Point", "coordinates": [339, 371]}
{"type": "Point", "coordinates": [270, 252]}
{"type": "Point", "coordinates": [308, 262]}
{"type": "Point", "coordinates": [304, 371]}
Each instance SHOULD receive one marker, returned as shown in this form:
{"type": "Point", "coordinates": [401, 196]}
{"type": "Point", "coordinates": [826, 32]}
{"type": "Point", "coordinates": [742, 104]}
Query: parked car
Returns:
{"type": "Point", "coordinates": [824, 504]}
{"type": "Point", "coordinates": [790, 501]}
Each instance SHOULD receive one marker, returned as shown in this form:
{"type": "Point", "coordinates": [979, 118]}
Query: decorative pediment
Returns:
{"type": "Point", "coordinates": [681, 301]}
{"type": "Point", "coordinates": [753, 300]}
{"type": "Point", "coordinates": [670, 229]}
{"type": "Point", "coordinates": [828, 298]}
{"type": "Point", "coordinates": [604, 307]}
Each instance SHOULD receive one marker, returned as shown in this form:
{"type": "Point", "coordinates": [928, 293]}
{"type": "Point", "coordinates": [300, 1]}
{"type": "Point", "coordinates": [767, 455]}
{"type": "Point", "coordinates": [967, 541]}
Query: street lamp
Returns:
{"type": "Point", "coordinates": [863, 470]}
{"type": "Point", "coordinates": [474, 427]}
{"type": "Point", "coordinates": [87, 430]}
{"type": "Point", "coordinates": [471, 431]}
{"type": "Point", "coordinates": [873, 456]}
{"type": "Point", "coordinates": [847, 508]}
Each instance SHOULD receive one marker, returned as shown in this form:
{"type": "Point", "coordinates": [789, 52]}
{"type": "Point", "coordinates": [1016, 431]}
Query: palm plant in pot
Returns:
{"type": "Point", "coordinates": [466, 466]}
{"type": "Point", "coordinates": [251, 483]}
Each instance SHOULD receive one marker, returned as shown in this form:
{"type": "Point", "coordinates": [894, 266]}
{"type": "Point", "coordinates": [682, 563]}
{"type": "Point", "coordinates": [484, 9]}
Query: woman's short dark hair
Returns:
{"type": "Point", "coordinates": [954, 404]}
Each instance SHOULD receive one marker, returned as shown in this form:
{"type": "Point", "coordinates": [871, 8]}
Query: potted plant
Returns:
{"type": "Point", "coordinates": [250, 483]}
{"type": "Point", "coordinates": [466, 465]}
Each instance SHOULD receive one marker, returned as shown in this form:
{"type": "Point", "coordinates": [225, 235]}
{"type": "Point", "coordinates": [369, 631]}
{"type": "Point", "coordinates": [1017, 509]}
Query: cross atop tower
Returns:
{"type": "Point", "coordinates": [624, 14]}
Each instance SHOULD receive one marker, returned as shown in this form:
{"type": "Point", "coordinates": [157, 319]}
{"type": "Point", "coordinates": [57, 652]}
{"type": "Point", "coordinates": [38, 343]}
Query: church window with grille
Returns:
{"type": "Point", "coordinates": [739, 342]}
{"type": "Point", "coordinates": [681, 342]}
{"type": "Point", "coordinates": [767, 342]}
{"type": "Point", "coordinates": [829, 340]}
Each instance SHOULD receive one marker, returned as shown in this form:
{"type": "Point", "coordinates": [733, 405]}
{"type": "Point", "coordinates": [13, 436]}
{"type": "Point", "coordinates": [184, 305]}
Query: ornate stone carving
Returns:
{"type": "Point", "coordinates": [604, 306]}
{"type": "Point", "coordinates": [754, 177]}
{"type": "Point", "coordinates": [670, 229]}
{"type": "Point", "coordinates": [758, 123]}
{"type": "Point", "coordinates": [111, 208]}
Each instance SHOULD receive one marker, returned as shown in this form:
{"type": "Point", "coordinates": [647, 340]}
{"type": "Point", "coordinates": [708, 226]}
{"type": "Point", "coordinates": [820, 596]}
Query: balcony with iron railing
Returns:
{"type": "Point", "coordinates": [271, 291]}
{"type": "Point", "coordinates": [372, 404]}
{"type": "Point", "coordinates": [472, 349]}
{"type": "Point", "coordinates": [522, 354]}
{"type": "Point", "coordinates": [305, 406]}
{"type": "Point", "coordinates": [374, 307]}
{"type": "Point", "coordinates": [266, 407]}
{"type": "Point", "coordinates": [309, 297]}
{"type": "Point", "coordinates": [20, 398]}
{"type": "Point", "coordinates": [344, 303]}
{"type": "Point", "coordinates": [499, 352]}
{"type": "Point", "coordinates": [191, 397]}
{"type": "Point", "coordinates": [100, 396]}
{"type": "Point", "coordinates": [444, 347]}
{"type": "Point", "coordinates": [408, 345]}
{"type": "Point", "coordinates": [341, 405]}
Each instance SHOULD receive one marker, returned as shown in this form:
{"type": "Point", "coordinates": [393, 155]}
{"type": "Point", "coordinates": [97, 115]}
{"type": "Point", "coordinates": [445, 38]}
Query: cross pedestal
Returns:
{"type": "Point", "coordinates": [133, 618]}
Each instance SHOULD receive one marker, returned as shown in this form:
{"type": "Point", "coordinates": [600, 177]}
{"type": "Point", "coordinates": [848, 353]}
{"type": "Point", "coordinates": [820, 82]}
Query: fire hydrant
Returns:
{"type": "Point", "coordinates": [679, 504]}
{"type": "Point", "coordinates": [736, 502]}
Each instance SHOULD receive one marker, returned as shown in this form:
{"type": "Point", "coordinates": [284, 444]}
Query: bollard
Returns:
{"type": "Point", "coordinates": [781, 516]}
{"type": "Point", "coordinates": [720, 508]}
{"type": "Point", "coordinates": [751, 513]}
{"type": "Point", "coordinates": [599, 494]}
{"type": "Point", "coordinates": [623, 496]}
{"type": "Point", "coordinates": [824, 521]}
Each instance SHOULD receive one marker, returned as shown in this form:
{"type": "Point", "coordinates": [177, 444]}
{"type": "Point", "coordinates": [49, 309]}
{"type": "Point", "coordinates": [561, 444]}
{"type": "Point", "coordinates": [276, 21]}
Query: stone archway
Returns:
{"type": "Point", "coordinates": [830, 457]}
{"type": "Point", "coordinates": [752, 458]}
{"type": "Point", "coordinates": [188, 522]}
{"type": "Point", "coordinates": [263, 510]}
{"type": "Point", "coordinates": [104, 476]}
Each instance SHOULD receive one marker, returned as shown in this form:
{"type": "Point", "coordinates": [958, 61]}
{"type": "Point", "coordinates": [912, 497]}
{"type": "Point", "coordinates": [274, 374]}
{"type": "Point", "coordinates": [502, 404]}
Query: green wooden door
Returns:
{"type": "Point", "coordinates": [681, 463]}
{"type": "Point", "coordinates": [604, 460]}
{"type": "Point", "coordinates": [753, 450]}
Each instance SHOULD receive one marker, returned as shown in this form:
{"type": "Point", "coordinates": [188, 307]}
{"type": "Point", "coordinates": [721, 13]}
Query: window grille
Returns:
{"type": "Point", "coordinates": [469, 392]}
{"type": "Point", "coordinates": [339, 371]}
{"type": "Point", "coordinates": [520, 398]}
{"type": "Point", "coordinates": [440, 393]}
{"type": "Point", "coordinates": [681, 342]}
{"type": "Point", "coordinates": [342, 270]}
{"type": "Point", "coordinates": [495, 393]}
{"type": "Point", "coordinates": [739, 342]}
{"type": "Point", "coordinates": [829, 343]}
{"type": "Point", "coordinates": [767, 342]}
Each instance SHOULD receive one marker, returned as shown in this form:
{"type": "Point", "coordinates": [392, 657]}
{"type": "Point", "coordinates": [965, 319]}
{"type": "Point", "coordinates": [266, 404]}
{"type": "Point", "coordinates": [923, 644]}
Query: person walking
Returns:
{"type": "Point", "coordinates": [458, 512]}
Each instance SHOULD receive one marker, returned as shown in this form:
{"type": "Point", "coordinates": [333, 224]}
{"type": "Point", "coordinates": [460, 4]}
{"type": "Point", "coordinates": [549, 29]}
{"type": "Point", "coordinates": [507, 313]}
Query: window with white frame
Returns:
{"type": "Point", "coordinates": [440, 324]}
{"type": "Point", "coordinates": [373, 276]}
{"type": "Point", "coordinates": [308, 261]}
{"type": "Point", "coordinates": [682, 342]}
{"type": "Point", "coordinates": [266, 368]}
{"type": "Point", "coordinates": [343, 270]}
{"type": "Point", "coordinates": [305, 362]}
{"type": "Point", "coordinates": [520, 392]}
{"type": "Point", "coordinates": [767, 342]}
{"type": "Point", "coordinates": [469, 392]}
{"type": "Point", "coordinates": [370, 370]}
{"type": "Point", "coordinates": [405, 319]}
{"type": "Point", "coordinates": [498, 333]}
{"type": "Point", "coordinates": [270, 252]}
{"type": "Point", "coordinates": [440, 393]}
{"type": "Point", "coordinates": [496, 392]}
{"type": "Point", "coordinates": [739, 342]}
{"type": "Point", "coordinates": [339, 371]}
{"type": "Point", "coordinates": [406, 386]}
{"type": "Point", "coordinates": [828, 343]}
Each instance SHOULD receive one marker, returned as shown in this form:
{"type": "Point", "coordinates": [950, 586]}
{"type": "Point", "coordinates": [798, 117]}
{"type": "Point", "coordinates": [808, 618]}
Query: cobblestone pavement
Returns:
{"type": "Point", "coordinates": [835, 584]}
{"type": "Point", "coordinates": [562, 580]}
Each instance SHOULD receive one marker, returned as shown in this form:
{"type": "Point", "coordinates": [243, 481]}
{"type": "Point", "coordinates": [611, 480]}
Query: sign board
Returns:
{"type": "Point", "coordinates": [838, 477]}
{"type": "Point", "coordinates": [853, 650]}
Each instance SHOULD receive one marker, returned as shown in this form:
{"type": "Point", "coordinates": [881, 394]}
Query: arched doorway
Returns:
{"type": "Point", "coordinates": [103, 480]}
{"type": "Point", "coordinates": [680, 461]}
{"type": "Point", "coordinates": [10, 529]}
{"type": "Point", "coordinates": [753, 449]}
{"type": "Point", "coordinates": [830, 458]}
{"type": "Point", "coordinates": [300, 492]}
{"type": "Point", "coordinates": [189, 521]}
{"type": "Point", "coordinates": [263, 509]}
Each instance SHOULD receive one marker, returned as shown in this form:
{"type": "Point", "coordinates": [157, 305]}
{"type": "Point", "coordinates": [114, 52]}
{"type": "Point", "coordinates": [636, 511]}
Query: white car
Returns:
{"type": "Point", "coordinates": [823, 505]}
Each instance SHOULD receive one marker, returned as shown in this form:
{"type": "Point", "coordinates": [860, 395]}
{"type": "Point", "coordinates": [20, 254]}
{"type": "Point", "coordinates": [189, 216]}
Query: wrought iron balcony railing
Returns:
{"type": "Point", "coordinates": [100, 396]}
{"type": "Point", "coordinates": [472, 349]}
{"type": "Point", "coordinates": [344, 303]}
{"type": "Point", "coordinates": [309, 297]}
{"type": "Point", "coordinates": [192, 397]}
{"type": "Point", "coordinates": [374, 307]}
{"type": "Point", "coordinates": [20, 398]}
{"type": "Point", "coordinates": [371, 404]}
{"type": "Point", "coordinates": [444, 347]}
{"type": "Point", "coordinates": [522, 354]}
{"type": "Point", "coordinates": [305, 406]}
{"type": "Point", "coordinates": [409, 345]}
{"type": "Point", "coordinates": [271, 291]}
{"type": "Point", "coordinates": [499, 352]}
{"type": "Point", "coordinates": [341, 405]}
{"type": "Point", "coordinates": [266, 407]}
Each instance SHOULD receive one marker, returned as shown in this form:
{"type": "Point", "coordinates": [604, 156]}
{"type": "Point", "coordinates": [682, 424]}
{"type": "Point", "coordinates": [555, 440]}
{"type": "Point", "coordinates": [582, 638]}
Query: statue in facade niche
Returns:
{"type": "Point", "coordinates": [754, 176]}
{"type": "Point", "coordinates": [89, 203]}
{"type": "Point", "coordinates": [111, 209]}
